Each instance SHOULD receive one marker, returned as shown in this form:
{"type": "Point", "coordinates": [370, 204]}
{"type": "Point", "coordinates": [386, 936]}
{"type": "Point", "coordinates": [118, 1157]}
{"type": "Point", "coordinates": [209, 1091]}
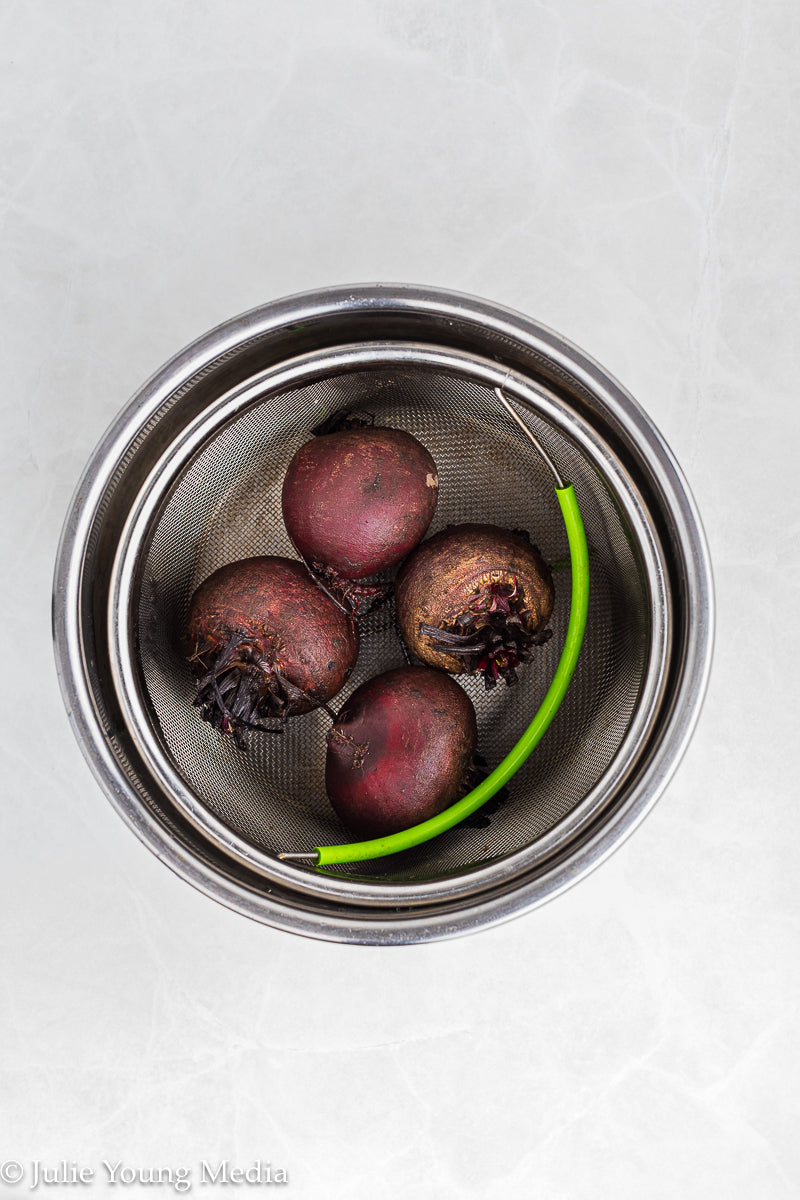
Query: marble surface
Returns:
{"type": "Point", "coordinates": [626, 173]}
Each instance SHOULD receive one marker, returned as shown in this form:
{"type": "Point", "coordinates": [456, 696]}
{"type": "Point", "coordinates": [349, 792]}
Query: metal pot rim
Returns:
{"type": "Point", "coordinates": [516, 894]}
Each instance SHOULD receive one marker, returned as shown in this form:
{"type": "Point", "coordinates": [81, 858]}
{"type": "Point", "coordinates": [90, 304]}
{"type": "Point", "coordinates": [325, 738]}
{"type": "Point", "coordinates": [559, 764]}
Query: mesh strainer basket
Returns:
{"type": "Point", "coordinates": [189, 478]}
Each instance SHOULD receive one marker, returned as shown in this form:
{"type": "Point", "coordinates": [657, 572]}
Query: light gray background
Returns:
{"type": "Point", "coordinates": [624, 172]}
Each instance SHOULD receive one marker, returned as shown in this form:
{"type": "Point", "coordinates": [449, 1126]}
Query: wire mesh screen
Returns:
{"type": "Point", "coordinates": [227, 506]}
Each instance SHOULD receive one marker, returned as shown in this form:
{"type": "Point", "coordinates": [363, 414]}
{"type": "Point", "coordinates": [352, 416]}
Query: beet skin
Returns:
{"type": "Point", "coordinates": [400, 751]}
{"type": "Point", "coordinates": [265, 641]}
{"type": "Point", "coordinates": [475, 598]}
{"type": "Point", "coordinates": [359, 500]}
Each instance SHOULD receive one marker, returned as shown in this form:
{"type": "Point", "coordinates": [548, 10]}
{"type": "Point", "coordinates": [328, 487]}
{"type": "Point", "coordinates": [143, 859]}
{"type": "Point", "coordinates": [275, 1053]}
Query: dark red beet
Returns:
{"type": "Point", "coordinates": [357, 501]}
{"type": "Point", "coordinates": [400, 751]}
{"type": "Point", "coordinates": [475, 598]}
{"type": "Point", "coordinates": [265, 641]}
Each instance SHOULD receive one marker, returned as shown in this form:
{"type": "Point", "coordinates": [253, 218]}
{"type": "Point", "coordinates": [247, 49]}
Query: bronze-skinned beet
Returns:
{"type": "Point", "coordinates": [475, 598]}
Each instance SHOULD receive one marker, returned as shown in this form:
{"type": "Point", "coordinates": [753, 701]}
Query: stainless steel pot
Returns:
{"type": "Point", "coordinates": [188, 477]}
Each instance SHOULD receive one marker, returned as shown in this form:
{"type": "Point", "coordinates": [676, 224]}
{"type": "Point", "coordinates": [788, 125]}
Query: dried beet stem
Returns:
{"type": "Point", "coordinates": [266, 642]}
{"type": "Point", "coordinates": [475, 598]}
{"type": "Point", "coordinates": [490, 635]}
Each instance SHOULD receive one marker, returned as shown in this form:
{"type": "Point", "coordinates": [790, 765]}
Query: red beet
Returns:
{"type": "Point", "coordinates": [357, 501]}
{"type": "Point", "coordinates": [400, 751]}
{"type": "Point", "coordinates": [265, 641]}
{"type": "Point", "coordinates": [475, 598]}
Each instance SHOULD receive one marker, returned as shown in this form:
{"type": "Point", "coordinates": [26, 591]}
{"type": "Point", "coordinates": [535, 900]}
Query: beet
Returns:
{"type": "Point", "coordinates": [400, 751]}
{"type": "Point", "coordinates": [359, 500]}
{"type": "Point", "coordinates": [265, 641]}
{"type": "Point", "coordinates": [475, 598]}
